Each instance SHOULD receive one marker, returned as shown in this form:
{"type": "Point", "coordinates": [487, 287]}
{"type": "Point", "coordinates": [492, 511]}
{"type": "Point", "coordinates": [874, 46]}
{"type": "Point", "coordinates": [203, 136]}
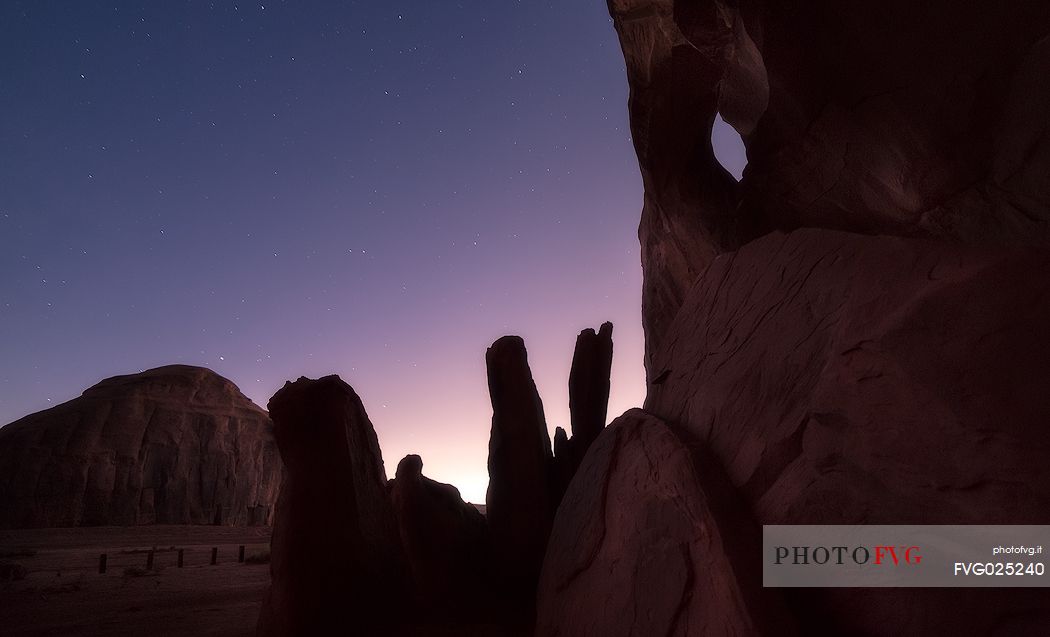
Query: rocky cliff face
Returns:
{"type": "Point", "coordinates": [844, 379]}
{"type": "Point", "coordinates": [892, 118]}
{"type": "Point", "coordinates": [852, 330]}
{"type": "Point", "coordinates": [172, 445]}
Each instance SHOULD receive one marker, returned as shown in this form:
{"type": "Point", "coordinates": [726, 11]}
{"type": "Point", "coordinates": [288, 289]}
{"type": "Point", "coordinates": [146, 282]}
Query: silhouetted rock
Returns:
{"type": "Point", "coordinates": [335, 554]}
{"type": "Point", "coordinates": [519, 498]}
{"type": "Point", "coordinates": [561, 443]}
{"type": "Point", "coordinates": [563, 467]}
{"type": "Point", "coordinates": [445, 541]}
{"type": "Point", "coordinates": [172, 445]}
{"type": "Point", "coordinates": [588, 403]}
{"type": "Point", "coordinates": [589, 386]}
{"type": "Point", "coordinates": [649, 540]}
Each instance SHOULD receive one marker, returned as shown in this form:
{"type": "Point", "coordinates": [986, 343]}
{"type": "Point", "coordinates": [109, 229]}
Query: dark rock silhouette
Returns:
{"type": "Point", "coordinates": [589, 384]}
{"type": "Point", "coordinates": [588, 402]}
{"type": "Point", "coordinates": [519, 499]}
{"type": "Point", "coordinates": [172, 445]}
{"type": "Point", "coordinates": [409, 556]}
{"type": "Point", "coordinates": [445, 541]}
{"type": "Point", "coordinates": [564, 466]}
{"type": "Point", "coordinates": [649, 541]}
{"type": "Point", "coordinates": [335, 552]}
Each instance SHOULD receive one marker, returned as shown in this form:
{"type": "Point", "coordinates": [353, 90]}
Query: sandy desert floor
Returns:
{"type": "Point", "coordinates": [63, 593]}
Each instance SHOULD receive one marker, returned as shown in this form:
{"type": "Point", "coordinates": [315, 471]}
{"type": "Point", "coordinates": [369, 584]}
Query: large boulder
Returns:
{"type": "Point", "coordinates": [172, 445]}
{"type": "Point", "coordinates": [445, 541]}
{"type": "Point", "coordinates": [519, 503]}
{"type": "Point", "coordinates": [651, 540]}
{"type": "Point", "coordinates": [336, 564]}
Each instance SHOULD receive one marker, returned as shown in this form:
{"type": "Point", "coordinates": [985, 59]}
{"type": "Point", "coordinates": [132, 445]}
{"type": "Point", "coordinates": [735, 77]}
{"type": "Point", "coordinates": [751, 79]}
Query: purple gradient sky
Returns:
{"type": "Point", "coordinates": [374, 189]}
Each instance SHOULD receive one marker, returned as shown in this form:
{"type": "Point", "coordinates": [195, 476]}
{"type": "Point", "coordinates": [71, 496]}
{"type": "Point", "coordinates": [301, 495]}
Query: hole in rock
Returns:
{"type": "Point", "coordinates": [729, 147]}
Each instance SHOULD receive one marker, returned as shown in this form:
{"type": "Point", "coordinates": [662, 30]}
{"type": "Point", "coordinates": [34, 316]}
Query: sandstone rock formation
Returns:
{"type": "Point", "coordinates": [649, 541]}
{"type": "Point", "coordinates": [335, 553]}
{"type": "Point", "coordinates": [588, 403]}
{"type": "Point", "coordinates": [445, 541]}
{"type": "Point", "coordinates": [589, 383]}
{"type": "Point", "coordinates": [409, 556]}
{"type": "Point", "coordinates": [172, 445]}
{"type": "Point", "coordinates": [519, 497]}
{"type": "Point", "coordinates": [877, 355]}
{"type": "Point", "coordinates": [841, 378]}
{"type": "Point", "coordinates": [894, 117]}
{"type": "Point", "coordinates": [854, 327]}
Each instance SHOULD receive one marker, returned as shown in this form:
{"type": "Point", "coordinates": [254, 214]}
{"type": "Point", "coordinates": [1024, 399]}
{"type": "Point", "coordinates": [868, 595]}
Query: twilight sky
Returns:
{"type": "Point", "coordinates": [374, 189]}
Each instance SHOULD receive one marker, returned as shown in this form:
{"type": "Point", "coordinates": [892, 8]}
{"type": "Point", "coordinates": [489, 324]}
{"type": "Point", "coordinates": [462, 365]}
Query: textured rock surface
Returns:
{"type": "Point", "coordinates": [821, 364]}
{"type": "Point", "coordinates": [841, 378]}
{"type": "Point", "coordinates": [445, 540]}
{"type": "Point", "coordinates": [897, 118]}
{"type": "Point", "coordinates": [172, 445]}
{"type": "Point", "coordinates": [335, 552]}
{"type": "Point", "coordinates": [519, 497]}
{"type": "Point", "coordinates": [648, 541]}
{"type": "Point", "coordinates": [884, 361]}
{"type": "Point", "coordinates": [688, 210]}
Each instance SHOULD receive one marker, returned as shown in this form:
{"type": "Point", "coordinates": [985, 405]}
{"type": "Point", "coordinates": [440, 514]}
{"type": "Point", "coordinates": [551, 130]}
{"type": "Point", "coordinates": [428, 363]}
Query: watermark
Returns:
{"type": "Point", "coordinates": [905, 555]}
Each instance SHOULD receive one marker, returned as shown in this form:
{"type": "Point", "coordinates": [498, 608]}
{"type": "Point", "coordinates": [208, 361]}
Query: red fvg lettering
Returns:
{"type": "Point", "coordinates": [909, 554]}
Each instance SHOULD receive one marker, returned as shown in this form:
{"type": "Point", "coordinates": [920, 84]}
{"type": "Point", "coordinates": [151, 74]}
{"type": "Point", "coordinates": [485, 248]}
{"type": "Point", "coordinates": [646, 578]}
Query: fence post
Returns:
{"type": "Point", "coordinates": [102, 564]}
{"type": "Point", "coordinates": [240, 554]}
{"type": "Point", "coordinates": [149, 560]}
{"type": "Point", "coordinates": [214, 555]}
{"type": "Point", "coordinates": [180, 557]}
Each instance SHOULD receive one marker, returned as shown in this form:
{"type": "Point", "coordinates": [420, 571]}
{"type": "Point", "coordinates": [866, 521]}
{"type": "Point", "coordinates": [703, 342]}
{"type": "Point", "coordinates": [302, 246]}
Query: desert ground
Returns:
{"type": "Point", "coordinates": [63, 593]}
